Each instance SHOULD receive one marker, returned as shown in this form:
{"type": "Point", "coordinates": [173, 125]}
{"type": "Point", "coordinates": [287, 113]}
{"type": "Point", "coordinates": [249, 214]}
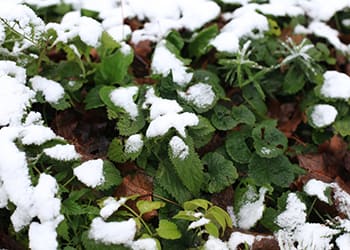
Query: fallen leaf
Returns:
{"type": "Point", "coordinates": [266, 243]}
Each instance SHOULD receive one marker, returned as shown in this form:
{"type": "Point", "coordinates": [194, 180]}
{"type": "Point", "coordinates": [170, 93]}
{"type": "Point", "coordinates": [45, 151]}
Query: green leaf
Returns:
{"type": "Point", "coordinates": [92, 99]}
{"type": "Point", "coordinates": [221, 172]}
{"type": "Point", "coordinates": [196, 203]}
{"type": "Point", "coordinates": [62, 230]}
{"type": "Point", "coordinates": [278, 170]}
{"type": "Point", "coordinates": [222, 118]}
{"type": "Point", "coordinates": [89, 13]}
{"type": "Point", "coordinates": [145, 206]}
{"type": "Point", "coordinates": [236, 146]}
{"type": "Point", "coordinates": [342, 126]}
{"type": "Point", "coordinates": [113, 68]}
{"type": "Point", "coordinates": [212, 229]}
{"type": "Point", "coordinates": [186, 215]}
{"type": "Point", "coordinates": [294, 80]}
{"type": "Point", "coordinates": [202, 133]}
{"type": "Point", "coordinates": [254, 100]}
{"type": "Point", "coordinates": [219, 215]}
{"type": "Point", "coordinates": [112, 176]}
{"type": "Point", "coordinates": [169, 180]}
{"type": "Point", "coordinates": [269, 142]}
{"type": "Point", "coordinates": [104, 93]}
{"type": "Point", "coordinates": [241, 114]}
{"type": "Point", "coordinates": [70, 207]}
{"type": "Point", "coordinates": [206, 76]}
{"type": "Point", "coordinates": [175, 39]}
{"type": "Point", "coordinates": [116, 151]}
{"type": "Point", "coordinates": [168, 230]}
{"type": "Point", "coordinates": [108, 45]}
{"type": "Point", "coordinates": [200, 42]}
{"type": "Point", "coordinates": [127, 126]}
{"type": "Point", "coordinates": [189, 169]}
{"type": "Point", "coordinates": [269, 218]}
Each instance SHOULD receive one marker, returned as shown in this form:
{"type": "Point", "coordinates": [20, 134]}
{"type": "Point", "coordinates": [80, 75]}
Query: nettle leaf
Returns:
{"type": "Point", "coordinates": [269, 142]}
{"type": "Point", "coordinates": [168, 230]}
{"type": "Point", "coordinates": [104, 93]}
{"type": "Point", "coordinates": [188, 166]}
{"type": "Point", "coordinates": [241, 114]}
{"type": "Point", "coordinates": [127, 127]}
{"type": "Point", "coordinates": [202, 133]}
{"type": "Point", "coordinates": [145, 206]}
{"type": "Point", "coordinates": [93, 99]}
{"type": "Point", "coordinates": [112, 176]}
{"type": "Point", "coordinates": [222, 118]}
{"type": "Point", "coordinates": [113, 68]}
{"type": "Point", "coordinates": [293, 81]}
{"type": "Point", "coordinates": [221, 172]}
{"type": "Point", "coordinates": [237, 146]}
{"type": "Point", "coordinates": [116, 151]}
{"type": "Point", "coordinates": [200, 42]}
{"type": "Point", "coordinates": [279, 170]}
{"type": "Point", "coordinates": [169, 180]}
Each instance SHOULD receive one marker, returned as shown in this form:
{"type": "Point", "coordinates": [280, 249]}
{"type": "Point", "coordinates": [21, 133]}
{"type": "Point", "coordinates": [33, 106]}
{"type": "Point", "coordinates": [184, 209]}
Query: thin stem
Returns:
{"type": "Point", "coordinates": [140, 218]}
{"type": "Point", "coordinates": [167, 200]}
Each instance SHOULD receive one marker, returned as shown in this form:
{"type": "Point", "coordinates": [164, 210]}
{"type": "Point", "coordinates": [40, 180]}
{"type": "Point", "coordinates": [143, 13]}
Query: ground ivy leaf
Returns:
{"type": "Point", "coordinates": [116, 151]}
{"type": "Point", "coordinates": [243, 115]}
{"type": "Point", "coordinates": [221, 172]}
{"type": "Point", "coordinates": [111, 174]}
{"type": "Point", "coordinates": [294, 80]}
{"type": "Point", "coordinates": [278, 170]}
{"type": "Point", "coordinates": [168, 230]}
{"type": "Point", "coordinates": [269, 142]}
{"type": "Point", "coordinates": [236, 146]}
{"type": "Point", "coordinates": [222, 118]}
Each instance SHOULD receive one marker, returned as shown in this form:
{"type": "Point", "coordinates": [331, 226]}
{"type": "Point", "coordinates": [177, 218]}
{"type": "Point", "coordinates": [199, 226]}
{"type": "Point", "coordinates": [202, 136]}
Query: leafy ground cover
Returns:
{"type": "Point", "coordinates": [174, 124]}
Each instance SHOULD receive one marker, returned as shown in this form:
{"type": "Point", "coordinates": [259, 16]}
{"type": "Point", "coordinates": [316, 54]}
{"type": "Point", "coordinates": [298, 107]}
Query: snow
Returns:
{"type": "Point", "coordinates": [343, 241]}
{"type": "Point", "coordinates": [124, 97]}
{"type": "Point", "coordinates": [120, 32]}
{"type": "Point", "coordinates": [201, 222]}
{"type": "Point", "coordinates": [238, 238]}
{"type": "Point", "coordinates": [144, 244]}
{"type": "Point", "coordinates": [134, 143]}
{"type": "Point", "coordinates": [201, 95]}
{"type": "Point", "coordinates": [317, 188]}
{"type": "Point", "coordinates": [323, 115]}
{"type": "Point", "coordinates": [62, 152]}
{"type": "Point", "coordinates": [42, 236]}
{"type": "Point", "coordinates": [252, 209]}
{"type": "Point", "coordinates": [164, 62]}
{"type": "Point", "coordinates": [112, 232]}
{"type": "Point", "coordinates": [90, 173]}
{"type": "Point", "coordinates": [178, 147]}
{"type": "Point", "coordinates": [36, 135]}
{"type": "Point", "coordinates": [342, 199]}
{"type": "Point", "coordinates": [110, 205]}
{"type": "Point", "coordinates": [336, 85]}
{"type": "Point", "coordinates": [52, 91]}
{"type": "Point", "coordinates": [215, 244]}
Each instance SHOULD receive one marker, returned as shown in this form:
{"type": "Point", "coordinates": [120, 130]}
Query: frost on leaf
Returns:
{"type": "Point", "coordinates": [124, 97]}
{"type": "Point", "coordinates": [201, 95]}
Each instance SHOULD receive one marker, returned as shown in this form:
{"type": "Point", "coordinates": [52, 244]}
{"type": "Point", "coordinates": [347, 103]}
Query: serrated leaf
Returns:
{"type": "Point", "coordinates": [108, 45]}
{"type": "Point", "coordinates": [269, 142]}
{"type": "Point", "coordinates": [241, 114]}
{"type": "Point", "coordinates": [237, 148]}
{"type": "Point", "coordinates": [221, 172]}
{"type": "Point", "coordinates": [342, 126]}
{"type": "Point", "coordinates": [200, 42]}
{"type": "Point", "coordinates": [112, 176]}
{"type": "Point", "coordinates": [113, 68]}
{"type": "Point", "coordinates": [145, 206]}
{"type": "Point", "coordinates": [168, 230]}
{"type": "Point", "coordinates": [71, 207]}
{"type": "Point", "coordinates": [294, 80]}
{"type": "Point", "coordinates": [92, 99]}
{"type": "Point", "coordinates": [189, 169]}
{"type": "Point", "coordinates": [127, 127]}
{"type": "Point", "coordinates": [62, 103]}
{"type": "Point", "coordinates": [202, 133]}
{"type": "Point", "coordinates": [104, 93]}
{"type": "Point", "coordinates": [278, 170]}
{"type": "Point", "coordinates": [169, 181]}
{"type": "Point", "coordinates": [62, 230]}
{"type": "Point", "coordinates": [222, 118]}
{"type": "Point", "coordinates": [116, 151]}
{"type": "Point", "coordinates": [196, 203]}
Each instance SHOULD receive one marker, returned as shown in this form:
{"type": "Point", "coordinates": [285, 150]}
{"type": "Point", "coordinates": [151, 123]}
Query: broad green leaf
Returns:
{"type": "Point", "coordinates": [145, 206]}
{"type": "Point", "coordinates": [221, 172]}
{"type": "Point", "coordinates": [169, 180]}
{"type": "Point", "coordinates": [269, 218]}
{"type": "Point", "coordinates": [168, 230]}
{"type": "Point", "coordinates": [108, 45]}
{"type": "Point", "coordinates": [113, 68]}
{"type": "Point", "coordinates": [70, 207]}
{"type": "Point", "coordinates": [342, 126]}
{"type": "Point", "coordinates": [175, 39]}
{"type": "Point", "coordinates": [202, 133]}
{"type": "Point", "coordinates": [92, 99]}
{"type": "Point", "coordinates": [196, 203]}
{"type": "Point", "coordinates": [241, 114]}
{"type": "Point", "coordinates": [186, 215]}
{"type": "Point", "coordinates": [112, 176]}
{"type": "Point", "coordinates": [104, 93]}
{"type": "Point", "coordinates": [116, 151]}
{"type": "Point", "coordinates": [89, 13]}
{"type": "Point", "coordinates": [200, 42]}
{"type": "Point", "coordinates": [278, 171]}
{"type": "Point", "coordinates": [294, 80]}
{"type": "Point", "coordinates": [222, 118]}
{"type": "Point", "coordinates": [269, 142]}
{"type": "Point", "coordinates": [63, 230]}
{"type": "Point", "coordinates": [127, 126]}
{"type": "Point", "coordinates": [206, 76]}
{"type": "Point", "coordinates": [212, 229]}
{"type": "Point", "coordinates": [237, 147]}
{"type": "Point", "coordinates": [189, 169]}
{"type": "Point", "coordinates": [254, 100]}
{"type": "Point", "coordinates": [219, 215]}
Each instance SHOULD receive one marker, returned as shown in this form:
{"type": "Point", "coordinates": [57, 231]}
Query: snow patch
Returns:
{"type": "Point", "coordinates": [90, 173]}
{"type": "Point", "coordinates": [336, 85]}
{"type": "Point", "coordinates": [201, 95]}
{"type": "Point", "coordinates": [133, 144]}
{"type": "Point", "coordinates": [215, 244]}
{"type": "Point", "coordinates": [52, 91]}
{"type": "Point", "coordinates": [178, 148]}
{"type": "Point", "coordinates": [124, 97]}
{"type": "Point", "coordinates": [317, 188]}
{"type": "Point", "coordinates": [238, 238]}
{"type": "Point", "coordinates": [110, 205]}
{"type": "Point", "coordinates": [62, 152]}
{"type": "Point", "coordinates": [201, 222]}
{"type": "Point", "coordinates": [323, 115]}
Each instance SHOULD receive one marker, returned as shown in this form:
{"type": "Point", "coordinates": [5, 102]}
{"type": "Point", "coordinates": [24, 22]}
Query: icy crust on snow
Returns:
{"type": "Point", "coordinates": [201, 95]}
{"type": "Point", "coordinates": [15, 97]}
{"type": "Point", "coordinates": [165, 115]}
{"type": "Point", "coordinates": [124, 97]}
{"type": "Point", "coordinates": [323, 115]}
{"type": "Point", "coordinates": [165, 62]}
{"type": "Point", "coordinates": [336, 85]}
{"type": "Point", "coordinates": [52, 91]}
{"type": "Point", "coordinates": [90, 173]}
{"type": "Point", "coordinates": [62, 152]}
{"type": "Point", "coordinates": [178, 147]}
{"type": "Point", "coordinates": [133, 144]}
